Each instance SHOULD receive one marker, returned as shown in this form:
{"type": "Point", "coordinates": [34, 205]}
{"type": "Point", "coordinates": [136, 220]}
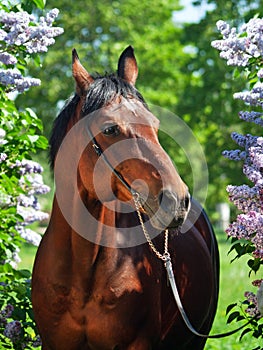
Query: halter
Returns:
{"type": "Point", "coordinates": [165, 257]}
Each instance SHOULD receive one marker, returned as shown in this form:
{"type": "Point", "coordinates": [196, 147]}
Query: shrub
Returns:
{"type": "Point", "coordinates": [23, 36]}
{"type": "Point", "coordinates": [244, 50]}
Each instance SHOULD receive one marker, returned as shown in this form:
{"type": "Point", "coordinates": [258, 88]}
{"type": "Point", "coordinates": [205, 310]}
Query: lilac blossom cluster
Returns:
{"type": "Point", "coordinates": [246, 50]}
{"type": "Point", "coordinates": [238, 48]}
{"type": "Point", "coordinates": [28, 207]}
{"type": "Point", "coordinates": [22, 29]}
{"type": "Point", "coordinates": [13, 329]}
{"type": "Point", "coordinates": [27, 204]}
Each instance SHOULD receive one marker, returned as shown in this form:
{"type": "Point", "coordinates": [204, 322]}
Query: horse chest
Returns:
{"type": "Point", "coordinates": [119, 307]}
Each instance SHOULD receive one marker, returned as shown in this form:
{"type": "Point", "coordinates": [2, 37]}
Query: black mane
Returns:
{"type": "Point", "coordinates": [101, 92]}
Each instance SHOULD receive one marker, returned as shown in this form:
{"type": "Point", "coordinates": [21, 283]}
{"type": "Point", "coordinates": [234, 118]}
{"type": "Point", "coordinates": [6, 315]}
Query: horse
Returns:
{"type": "Point", "coordinates": [98, 282]}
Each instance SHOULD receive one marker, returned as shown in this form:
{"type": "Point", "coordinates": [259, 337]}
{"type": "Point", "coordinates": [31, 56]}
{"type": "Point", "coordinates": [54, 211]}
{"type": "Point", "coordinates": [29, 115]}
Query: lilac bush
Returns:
{"type": "Point", "coordinates": [21, 31]}
{"type": "Point", "coordinates": [22, 37]}
{"type": "Point", "coordinates": [244, 49]}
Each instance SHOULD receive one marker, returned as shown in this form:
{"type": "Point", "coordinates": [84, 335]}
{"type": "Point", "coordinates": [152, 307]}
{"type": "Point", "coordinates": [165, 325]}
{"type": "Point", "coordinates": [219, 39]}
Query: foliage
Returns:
{"type": "Point", "coordinates": [245, 51]}
{"type": "Point", "coordinates": [22, 37]}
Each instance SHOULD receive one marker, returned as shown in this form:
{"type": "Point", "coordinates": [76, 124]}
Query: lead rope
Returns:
{"type": "Point", "coordinates": [166, 258]}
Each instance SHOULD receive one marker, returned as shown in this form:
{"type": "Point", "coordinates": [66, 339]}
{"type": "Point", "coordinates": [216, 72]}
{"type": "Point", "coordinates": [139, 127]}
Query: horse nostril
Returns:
{"type": "Point", "coordinates": [187, 202]}
{"type": "Point", "coordinates": [168, 201]}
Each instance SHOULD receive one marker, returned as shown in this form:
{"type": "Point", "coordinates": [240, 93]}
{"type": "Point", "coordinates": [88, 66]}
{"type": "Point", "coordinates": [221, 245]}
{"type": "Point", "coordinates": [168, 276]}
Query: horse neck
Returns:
{"type": "Point", "coordinates": [76, 246]}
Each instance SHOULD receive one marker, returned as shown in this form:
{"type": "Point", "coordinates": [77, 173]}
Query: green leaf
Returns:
{"type": "Point", "coordinates": [230, 307]}
{"type": "Point", "coordinates": [40, 3]}
{"type": "Point", "coordinates": [245, 331]}
{"type": "Point", "coordinates": [42, 142]}
{"type": "Point", "coordinates": [233, 316]}
{"type": "Point", "coordinates": [24, 273]}
{"type": "Point", "coordinates": [33, 138]}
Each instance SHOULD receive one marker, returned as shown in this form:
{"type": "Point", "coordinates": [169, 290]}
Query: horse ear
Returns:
{"type": "Point", "coordinates": [82, 77]}
{"type": "Point", "coordinates": [127, 66]}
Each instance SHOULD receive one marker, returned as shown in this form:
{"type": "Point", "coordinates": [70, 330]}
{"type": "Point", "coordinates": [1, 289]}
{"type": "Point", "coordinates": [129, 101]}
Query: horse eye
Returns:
{"type": "Point", "coordinates": [112, 130]}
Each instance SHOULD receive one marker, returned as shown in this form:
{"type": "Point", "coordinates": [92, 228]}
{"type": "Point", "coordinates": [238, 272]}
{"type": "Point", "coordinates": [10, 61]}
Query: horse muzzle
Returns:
{"type": "Point", "coordinates": [169, 210]}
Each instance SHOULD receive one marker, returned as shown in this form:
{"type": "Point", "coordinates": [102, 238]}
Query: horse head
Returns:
{"type": "Point", "coordinates": [120, 126]}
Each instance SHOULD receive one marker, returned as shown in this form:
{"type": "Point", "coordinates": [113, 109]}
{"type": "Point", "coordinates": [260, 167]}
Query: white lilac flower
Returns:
{"type": "Point", "coordinates": [260, 73]}
{"type": "Point", "coordinates": [3, 157]}
{"type": "Point", "coordinates": [15, 259]}
{"type": "Point", "coordinates": [5, 200]}
{"type": "Point", "coordinates": [2, 133]}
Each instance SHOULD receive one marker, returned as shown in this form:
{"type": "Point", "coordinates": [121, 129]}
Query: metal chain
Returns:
{"type": "Point", "coordinates": [166, 255]}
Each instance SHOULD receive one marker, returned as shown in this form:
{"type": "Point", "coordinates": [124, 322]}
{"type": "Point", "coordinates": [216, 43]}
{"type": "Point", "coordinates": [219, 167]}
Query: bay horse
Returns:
{"type": "Point", "coordinates": [97, 282]}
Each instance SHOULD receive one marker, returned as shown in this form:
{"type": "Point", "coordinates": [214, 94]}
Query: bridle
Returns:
{"type": "Point", "coordinates": [98, 150]}
{"type": "Point", "coordinates": [165, 257]}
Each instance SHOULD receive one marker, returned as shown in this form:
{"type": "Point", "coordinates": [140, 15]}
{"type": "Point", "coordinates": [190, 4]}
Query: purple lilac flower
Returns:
{"type": "Point", "coordinates": [260, 299]}
{"type": "Point", "coordinates": [7, 58]}
{"type": "Point", "coordinates": [252, 310]}
{"type": "Point", "coordinates": [21, 18]}
{"type": "Point", "coordinates": [14, 80]}
{"type": "Point", "coordinates": [37, 184]}
{"type": "Point", "coordinates": [238, 49]}
{"type": "Point", "coordinates": [28, 201]}
{"type": "Point", "coordinates": [28, 167]}
{"type": "Point", "coordinates": [245, 198]}
{"type": "Point", "coordinates": [253, 174]}
{"type": "Point", "coordinates": [37, 342]}
{"type": "Point", "coordinates": [248, 226]}
{"type": "Point", "coordinates": [21, 31]}
{"type": "Point", "coordinates": [234, 154]}
{"type": "Point", "coordinates": [13, 331]}
{"type": "Point", "coordinates": [30, 215]}
{"type": "Point", "coordinates": [29, 235]}
{"type": "Point", "coordinates": [253, 97]}
{"type": "Point", "coordinates": [34, 185]}
{"type": "Point", "coordinates": [7, 311]}
{"type": "Point", "coordinates": [254, 117]}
